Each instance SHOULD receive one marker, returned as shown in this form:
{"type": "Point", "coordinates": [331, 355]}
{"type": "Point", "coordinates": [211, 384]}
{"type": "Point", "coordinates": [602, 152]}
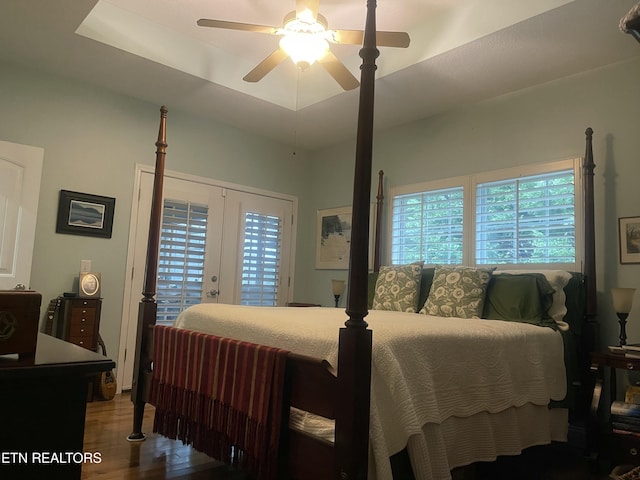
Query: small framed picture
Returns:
{"type": "Point", "coordinates": [629, 239]}
{"type": "Point", "coordinates": [85, 214]}
{"type": "Point", "coordinates": [89, 285]}
{"type": "Point", "coordinates": [333, 242]}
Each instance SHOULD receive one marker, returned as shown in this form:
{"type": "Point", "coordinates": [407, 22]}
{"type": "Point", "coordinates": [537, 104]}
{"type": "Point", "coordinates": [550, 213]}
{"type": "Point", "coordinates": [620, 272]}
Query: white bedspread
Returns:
{"type": "Point", "coordinates": [425, 369]}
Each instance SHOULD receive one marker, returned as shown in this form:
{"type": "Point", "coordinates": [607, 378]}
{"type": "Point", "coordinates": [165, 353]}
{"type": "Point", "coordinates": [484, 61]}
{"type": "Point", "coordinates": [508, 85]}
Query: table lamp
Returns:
{"type": "Point", "coordinates": [337, 286]}
{"type": "Point", "coordinates": [622, 302]}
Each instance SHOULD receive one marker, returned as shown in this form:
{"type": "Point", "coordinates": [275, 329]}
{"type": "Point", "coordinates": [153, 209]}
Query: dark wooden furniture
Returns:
{"type": "Point", "coordinates": [346, 397]}
{"type": "Point", "coordinates": [19, 319]}
{"type": "Point", "coordinates": [617, 448]}
{"type": "Point", "coordinates": [43, 406]}
{"type": "Point", "coordinates": [79, 321]}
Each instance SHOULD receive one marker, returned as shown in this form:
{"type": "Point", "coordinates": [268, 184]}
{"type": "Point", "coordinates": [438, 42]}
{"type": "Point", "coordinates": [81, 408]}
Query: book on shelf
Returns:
{"type": "Point", "coordinates": [621, 408]}
{"type": "Point", "coordinates": [625, 419]}
{"type": "Point", "coordinates": [623, 431]}
{"type": "Point", "coordinates": [632, 394]}
{"type": "Point", "coordinates": [628, 427]}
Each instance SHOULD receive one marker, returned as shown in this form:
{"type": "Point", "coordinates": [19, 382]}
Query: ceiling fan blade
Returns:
{"type": "Point", "coordinates": [311, 5]}
{"type": "Point", "coordinates": [265, 66]}
{"type": "Point", "coordinates": [338, 71]}
{"type": "Point", "coordinates": [249, 27]}
{"type": "Point", "coordinates": [383, 39]}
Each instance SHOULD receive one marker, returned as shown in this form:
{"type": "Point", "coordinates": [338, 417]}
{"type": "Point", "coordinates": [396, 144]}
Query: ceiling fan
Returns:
{"type": "Point", "coordinates": [305, 38]}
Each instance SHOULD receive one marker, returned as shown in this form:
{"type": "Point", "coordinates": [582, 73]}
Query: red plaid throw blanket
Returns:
{"type": "Point", "coordinates": [222, 396]}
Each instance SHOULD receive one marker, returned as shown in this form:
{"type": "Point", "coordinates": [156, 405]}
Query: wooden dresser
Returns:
{"type": "Point", "coordinates": [80, 321]}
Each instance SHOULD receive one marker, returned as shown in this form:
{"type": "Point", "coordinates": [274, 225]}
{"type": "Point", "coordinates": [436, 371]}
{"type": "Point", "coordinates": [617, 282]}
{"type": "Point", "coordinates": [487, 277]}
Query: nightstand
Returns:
{"type": "Point", "coordinates": [620, 448]}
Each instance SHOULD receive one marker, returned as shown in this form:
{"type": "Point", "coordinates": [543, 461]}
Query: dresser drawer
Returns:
{"type": "Point", "coordinates": [82, 329]}
{"type": "Point", "coordinates": [86, 342]}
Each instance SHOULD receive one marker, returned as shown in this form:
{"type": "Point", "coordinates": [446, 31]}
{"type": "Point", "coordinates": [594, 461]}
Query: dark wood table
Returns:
{"type": "Point", "coordinates": [42, 410]}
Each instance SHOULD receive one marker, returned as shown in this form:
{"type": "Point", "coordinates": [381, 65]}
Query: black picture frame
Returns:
{"type": "Point", "coordinates": [85, 214]}
{"type": "Point", "coordinates": [629, 234]}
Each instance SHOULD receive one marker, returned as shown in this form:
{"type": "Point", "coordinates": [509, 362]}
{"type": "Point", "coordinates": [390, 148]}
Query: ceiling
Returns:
{"type": "Point", "coordinates": [461, 51]}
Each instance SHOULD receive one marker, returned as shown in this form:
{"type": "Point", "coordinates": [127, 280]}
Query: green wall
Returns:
{"type": "Point", "coordinates": [93, 138]}
{"type": "Point", "coordinates": [536, 125]}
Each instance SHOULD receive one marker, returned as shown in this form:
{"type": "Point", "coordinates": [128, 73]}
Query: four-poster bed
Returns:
{"type": "Point", "coordinates": [337, 383]}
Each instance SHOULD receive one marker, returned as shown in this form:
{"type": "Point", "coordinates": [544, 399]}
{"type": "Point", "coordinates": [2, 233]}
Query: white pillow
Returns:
{"type": "Point", "coordinates": [558, 279]}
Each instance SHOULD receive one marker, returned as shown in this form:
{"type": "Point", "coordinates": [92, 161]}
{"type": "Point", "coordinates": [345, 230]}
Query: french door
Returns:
{"type": "Point", "coordinates": [217, 244]}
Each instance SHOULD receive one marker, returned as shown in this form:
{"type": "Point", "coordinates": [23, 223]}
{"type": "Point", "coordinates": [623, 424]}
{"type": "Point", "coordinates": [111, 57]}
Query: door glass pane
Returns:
{"type": "Point", "coordinates": [181, 258]}
{"type": "Point", "coordinates": [261, 259]}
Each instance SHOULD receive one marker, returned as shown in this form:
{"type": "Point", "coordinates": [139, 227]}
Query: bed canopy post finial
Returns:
{"type": "Point", "coordinates": [147, 308]}
{"type": "Point", "coordinates": [354, 357]}
{"type": "Point", "coordinates": [589, 227]}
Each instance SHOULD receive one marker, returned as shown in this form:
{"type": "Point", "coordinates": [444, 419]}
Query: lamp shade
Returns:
{"type": "Point", "coordinates": [337, 286]}
{"type": "Point", "coordinates": [622, 299]}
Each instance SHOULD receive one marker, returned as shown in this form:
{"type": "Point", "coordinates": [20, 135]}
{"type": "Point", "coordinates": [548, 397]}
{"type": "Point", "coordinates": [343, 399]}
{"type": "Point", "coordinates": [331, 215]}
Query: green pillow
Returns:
{"type": "Point", "coordinates": [398, 287]}
{"type": "Point", "coordinates": [457, 292]}
{"type": "Point", "coordinates": [520, 298]}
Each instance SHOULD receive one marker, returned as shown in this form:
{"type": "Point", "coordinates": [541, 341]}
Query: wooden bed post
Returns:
{"type": "Point", "coordinates": [376, 246]}
{"type": "Point", "coordinates": [148, 308]}
{"type": "Point", "coordinates": [354, 358]}
{"type": "Point", "coordinates": [589, 228]}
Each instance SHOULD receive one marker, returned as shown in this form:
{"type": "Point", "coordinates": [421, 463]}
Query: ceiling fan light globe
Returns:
{"type": "Point", "coordinates": [304, 48]}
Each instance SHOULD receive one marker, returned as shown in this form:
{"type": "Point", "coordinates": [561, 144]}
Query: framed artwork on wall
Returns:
{"type": "Point", "coordinates": [629, 239]}
{"type": "Point", "coordinates": [333, 238]}
{"type": "Point", "coordinates": [85, 214]}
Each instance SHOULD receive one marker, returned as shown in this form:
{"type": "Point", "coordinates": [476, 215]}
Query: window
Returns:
{"type": "Point", "coordinates": [526, 220]}
{"type": "Point", "coordinates": [261, 260]}
{"type": "Point", "coordinates": [428, 226]}
{"type": "Point", "coordinates": [181, 258]}
{"type": "Point", "coordinates": [527, 215]}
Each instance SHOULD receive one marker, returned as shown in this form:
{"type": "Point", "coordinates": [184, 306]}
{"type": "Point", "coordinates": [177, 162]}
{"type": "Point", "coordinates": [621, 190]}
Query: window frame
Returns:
{"type": "Point", "coordinates": [469, 185]}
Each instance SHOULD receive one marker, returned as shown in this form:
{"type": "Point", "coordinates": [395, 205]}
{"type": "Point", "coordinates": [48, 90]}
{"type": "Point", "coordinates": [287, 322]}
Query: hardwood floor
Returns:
{"type": "Point", "coordinates": [157, 458]}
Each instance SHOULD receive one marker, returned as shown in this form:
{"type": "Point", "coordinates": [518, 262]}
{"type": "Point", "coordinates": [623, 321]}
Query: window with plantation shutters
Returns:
{"type": "Point", "coordinates": [526, 220]}
{"type": "Point", "coordinates": [428, 226]}
{"type": "Point", "coordinates": [181, 258]}
{"type": "Point", "coordinates": [527, 215]}
{"type": "Point", "coordinates": [261, 259]}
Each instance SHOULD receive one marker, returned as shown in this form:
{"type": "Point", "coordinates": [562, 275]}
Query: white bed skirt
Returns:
{"type": "Point", "coordinates": [458, 442]}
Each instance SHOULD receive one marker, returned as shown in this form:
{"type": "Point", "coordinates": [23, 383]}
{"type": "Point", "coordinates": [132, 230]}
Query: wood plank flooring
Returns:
{"type": "Point", "coordinates": [157, 458]}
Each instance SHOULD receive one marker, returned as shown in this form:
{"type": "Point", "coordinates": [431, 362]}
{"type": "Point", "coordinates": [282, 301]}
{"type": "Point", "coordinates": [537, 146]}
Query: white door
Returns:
{"type": "Point", "coordinates": [191, 228]}
{"type": "Point", "coordinates": [256, 250]}
{"type": "Point", "coordinates": [20, 172]}
{"type": "Point", "coordinates": [214, 245]}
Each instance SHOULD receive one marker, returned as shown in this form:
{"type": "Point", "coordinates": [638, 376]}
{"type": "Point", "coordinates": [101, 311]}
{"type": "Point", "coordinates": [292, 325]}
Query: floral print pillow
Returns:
{"type": "Point", "coordinates": [398, 287]}
{"type": "Point", "coordinates": [457, 292]}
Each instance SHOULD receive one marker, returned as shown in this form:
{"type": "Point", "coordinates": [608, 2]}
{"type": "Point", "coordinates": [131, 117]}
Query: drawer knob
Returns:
{"type": "Point", "coordinates": [633, 451]}
{"type": "Point", "coordinates": [629, 366]}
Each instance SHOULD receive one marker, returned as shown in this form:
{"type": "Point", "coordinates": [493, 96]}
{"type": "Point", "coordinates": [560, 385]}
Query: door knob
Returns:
{"type": "Point", "coordinates": [212, 293]}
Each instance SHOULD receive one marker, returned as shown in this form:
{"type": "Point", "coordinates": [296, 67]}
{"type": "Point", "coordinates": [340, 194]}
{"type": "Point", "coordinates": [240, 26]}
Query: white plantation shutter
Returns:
{"type": "Point", "coordinates": [261, 259]}
{"type": "Point", "coordinates": [428, 226]}
{"type": "Point", "coordinates": [181, 258]}
{"type": "Point", "coordinates": [526, 220]}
